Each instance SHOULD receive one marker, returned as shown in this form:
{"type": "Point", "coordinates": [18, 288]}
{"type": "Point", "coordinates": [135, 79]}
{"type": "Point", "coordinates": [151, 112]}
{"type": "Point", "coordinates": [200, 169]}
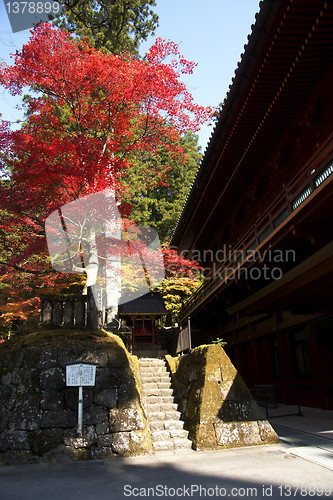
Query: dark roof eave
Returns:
{"type": "Point", "coordinates": [259, 34]}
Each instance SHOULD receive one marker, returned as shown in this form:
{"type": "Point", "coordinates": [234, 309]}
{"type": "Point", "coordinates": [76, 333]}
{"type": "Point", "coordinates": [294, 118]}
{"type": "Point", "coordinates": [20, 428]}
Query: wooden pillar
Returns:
{"type": "Point", "coordinates": [316, 366]}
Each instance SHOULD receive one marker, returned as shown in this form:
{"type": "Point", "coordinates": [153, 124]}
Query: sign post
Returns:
{"type": "Point", "coordinates": [80, 374]}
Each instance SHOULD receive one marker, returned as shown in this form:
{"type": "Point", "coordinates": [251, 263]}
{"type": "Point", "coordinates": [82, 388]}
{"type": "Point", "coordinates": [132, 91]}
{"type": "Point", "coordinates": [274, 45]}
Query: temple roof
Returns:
{"type": "Point", "coordinates": [151, 304]}
{"type": "Point", "coordinates": [288, 52]}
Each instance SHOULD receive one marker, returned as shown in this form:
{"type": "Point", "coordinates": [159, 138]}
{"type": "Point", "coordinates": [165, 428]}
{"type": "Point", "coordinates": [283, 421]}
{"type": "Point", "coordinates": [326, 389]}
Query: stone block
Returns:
{"type": "Point", "coordinates": [80, 313]}
{"type": "Point", "coordinates": [100, 452]}
{"type": "Point", "coordinates": [213, 373]}
{"type": "Point", "coordinates": [87, 440]}
{"type": "Point", "coordinates": [227, 390]}
{"type": "Point", "coordinates": [117, 358]}
{"type": "Point", "coordinates": [250, 410]}
{"type": "Point", "coordinates": [13, 440]}
{"type": "Point", "coordinates": [112, 377]}
{"type": "Point", "coordinates": [52, 400]}
{"type": "Point", "coordinates": [230, 411]}
{"type": "Point", "coordinates": [29, 420]}
{"type": "Point", "coordinates": [53, 379]}
{"type": "Point", "coordinates": [102, 428]}
{"type": "Point", "coordinates": [126, 419]}
{"type": "Point", "coordinates": [26, 413]}
{"type": "Point", "coordinates": [44, 440]}
{"type": "Point", "coordinates": [81, 454]}
{"type": "Point", "coordinates": [249, 433]}
{"type": "Point", "coordinates": [30, 358]}
{"type": "Point", "coordinates": [8, 396]}
{"type": "Point", "coordinates": [227, 434]}
{"type": "Point", "coordinates": [57, 313]}
{"type": "Point", "coordinates": [68, 313]}
{"type": "Point", "coordinates": [267, 433]}
{"type": "Point", "coordinates": [106, 397]}
{"type": "Point", "coordinates": [104, 440]}
{"type": "Point", "coordinates": [66, 356]}
{"type": "Point", "coordinates": [18, 457]}
{"type": "Point", "coordinates": [4, 418]}
{"type": "Point", "coordinates": [23, 379]}
{"type": "Point", "coordinates": [48, 358]}
{"type": "Point", "coordinates": [7, 378]}
{"type": "Point", "coordinates": [193, 373]}
{"type": "Point", "coordinates": [240, 391]}
{"type": "Point", "coordinates": [140, 442]}
{"type": "Point", "coordinates": [46, 312]}
{"type": "Point", "coordinates": [95, 415]}
{"type": "Point", "coordinates": [72, 397]}
{"type": "Point", "coordinates": [62, 419]}
{"type": "Point", "coordinates": [120, 443]}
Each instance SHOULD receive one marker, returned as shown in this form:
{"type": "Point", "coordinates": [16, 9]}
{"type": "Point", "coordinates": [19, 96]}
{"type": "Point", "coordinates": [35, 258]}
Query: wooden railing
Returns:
{"type": "Point", "coordinates": [184, 343]}
{"type": "Point", "coordinates": [290, 200]}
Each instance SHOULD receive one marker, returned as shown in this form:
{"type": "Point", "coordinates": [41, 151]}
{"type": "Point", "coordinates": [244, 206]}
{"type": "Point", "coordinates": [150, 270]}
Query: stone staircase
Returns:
{"type": "Point", "coordinates": [166, 428]}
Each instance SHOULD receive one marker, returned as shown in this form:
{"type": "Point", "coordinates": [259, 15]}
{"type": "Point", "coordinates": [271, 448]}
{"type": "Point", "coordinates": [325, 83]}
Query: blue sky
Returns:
{"type": "Point", "coordinates": [211, 33]}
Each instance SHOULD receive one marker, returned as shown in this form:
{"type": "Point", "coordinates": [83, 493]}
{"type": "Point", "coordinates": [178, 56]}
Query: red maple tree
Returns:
{"type": "Point", "coordinates": [86, 111]}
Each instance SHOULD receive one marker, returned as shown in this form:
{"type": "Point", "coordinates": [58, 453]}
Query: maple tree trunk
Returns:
{"type": "Point", "coordinates": [112, 275]}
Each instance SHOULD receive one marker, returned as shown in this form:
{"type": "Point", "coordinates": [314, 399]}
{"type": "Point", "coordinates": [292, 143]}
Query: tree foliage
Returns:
{"type": "Point", "coordinates": [89, 114]}
{"type": "Point", "coordinates": [183, 276]}
{"type": "Point", "coordinates": [112, 25]}
{"type": "Point", "coordinates": [159, 204]}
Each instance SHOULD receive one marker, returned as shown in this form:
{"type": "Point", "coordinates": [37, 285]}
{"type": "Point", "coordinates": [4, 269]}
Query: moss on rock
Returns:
{"type": "Point", "coordinates": [216, 405]}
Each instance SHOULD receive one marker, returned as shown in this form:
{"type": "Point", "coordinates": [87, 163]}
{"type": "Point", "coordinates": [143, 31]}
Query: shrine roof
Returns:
{"type": "Point", "coordinates": [151, 304]}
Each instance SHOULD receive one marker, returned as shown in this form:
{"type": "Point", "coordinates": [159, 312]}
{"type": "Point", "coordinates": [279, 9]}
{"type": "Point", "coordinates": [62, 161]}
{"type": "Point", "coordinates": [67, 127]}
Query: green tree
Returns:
{"type": "Point", "coordinates": [111, 25]}
{"type": "Point", "coordinates": [175, 291]}
{"type": "Point", "coordinates": [159, 206]}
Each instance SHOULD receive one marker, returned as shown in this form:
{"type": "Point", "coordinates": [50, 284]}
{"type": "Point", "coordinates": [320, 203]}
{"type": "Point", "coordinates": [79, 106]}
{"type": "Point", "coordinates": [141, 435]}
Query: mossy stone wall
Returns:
{"type": "Point", "coordinates": [38, 413]}
{"type": "Point", "coordinates": [216, 405]}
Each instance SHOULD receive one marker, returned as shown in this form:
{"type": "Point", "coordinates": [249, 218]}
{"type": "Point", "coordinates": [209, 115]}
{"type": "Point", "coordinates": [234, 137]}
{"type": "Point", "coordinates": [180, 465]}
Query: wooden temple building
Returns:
{"type": "Point", "coordinates": [259, 216]}
{"type": "Point", "coordinates": [142, 315]}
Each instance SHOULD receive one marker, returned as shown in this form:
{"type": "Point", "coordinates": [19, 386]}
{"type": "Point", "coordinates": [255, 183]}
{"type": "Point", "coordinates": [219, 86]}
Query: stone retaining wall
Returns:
{"type": "Point", "coordinates": [38, 413]}
{"type": "Point", "coordinates": [216, 405]}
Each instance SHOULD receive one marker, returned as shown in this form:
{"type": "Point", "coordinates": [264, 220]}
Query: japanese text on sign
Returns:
{"type": "Point", "coordinates": [80, 375]}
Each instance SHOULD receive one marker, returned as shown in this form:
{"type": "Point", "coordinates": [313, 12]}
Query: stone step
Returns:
{"type": "Point", "coordinates": [166, 434]}
{"type": "Point", "coordinates": [172, 444]}
{"type": "Point", "coordinates": [155, 416]}
{"type": "Point", "coordinates": [166, 428]}
{"type": "Point", "coordinates": [157, 391]}
{"type": "Point", "coordinates": [143, 362]}
{"type": "Point", "coordinates": [164, 416]}
{"type": "Point", "coordinates": [144, 353]}
{"type": "Point", "coordinates": [165, 407]}
{"type": "Point", "coordinates": [149, 400]}
{"type": "Point", "coordinates": [154, 376]}
{"type": "Point", "coordinates": [149, 371]}
{"type": "Point", "coordinates": [152, 368]}
{"type": "Point", "coordinates": [162, 379]}
{"type": "Point", "coordinates": [154, 387]}
{"type": "Point", "coordinates": [159, 425]}
{"type": "Point", "coordinates": [182, 444]}
{"type": "Point", "coordinates": [163, 445]}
